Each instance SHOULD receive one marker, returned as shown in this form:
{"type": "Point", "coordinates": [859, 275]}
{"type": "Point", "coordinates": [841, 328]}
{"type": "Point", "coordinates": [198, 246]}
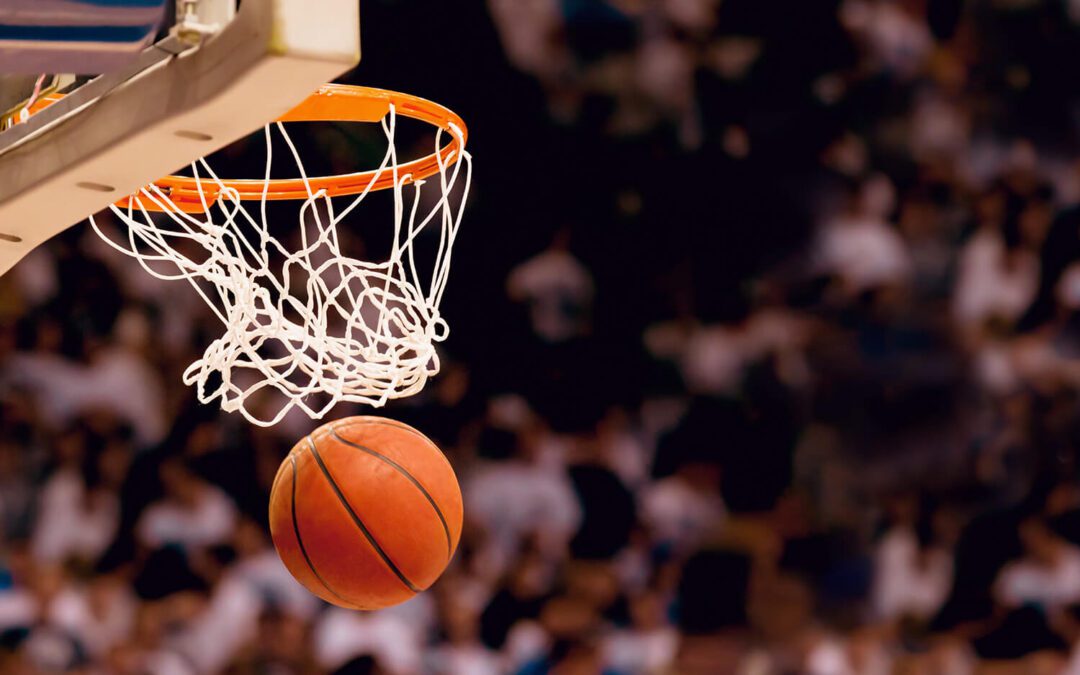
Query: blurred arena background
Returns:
{"type": "Point", "coordinates": [765, 361]}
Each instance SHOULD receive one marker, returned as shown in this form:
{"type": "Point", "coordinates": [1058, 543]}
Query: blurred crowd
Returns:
{"type": "Point", "coordinates": [765, 354]}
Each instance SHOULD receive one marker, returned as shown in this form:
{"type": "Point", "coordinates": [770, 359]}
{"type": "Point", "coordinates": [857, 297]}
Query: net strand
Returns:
{"type": "Point", "coordinates": [310, 321]}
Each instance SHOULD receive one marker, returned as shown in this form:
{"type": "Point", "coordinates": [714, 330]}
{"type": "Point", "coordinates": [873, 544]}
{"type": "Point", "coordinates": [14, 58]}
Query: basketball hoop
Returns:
{"type": "Point", "coordinates": [311, 320]}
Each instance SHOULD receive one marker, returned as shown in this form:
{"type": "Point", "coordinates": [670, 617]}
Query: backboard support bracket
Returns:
{"type": "Point", "coordinates": [123, 130]}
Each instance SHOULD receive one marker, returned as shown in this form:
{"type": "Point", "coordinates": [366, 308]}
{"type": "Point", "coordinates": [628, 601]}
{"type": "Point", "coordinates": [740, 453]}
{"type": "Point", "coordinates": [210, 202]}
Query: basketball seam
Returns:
{"type": "Point", "coordinates": [412, 479]}
{"type": "Point", "coordinates": [382, 421]}
{"type": "Point", "coordinates": [356, 519]}
{"type": "Point", "coordinates": [300, 540]}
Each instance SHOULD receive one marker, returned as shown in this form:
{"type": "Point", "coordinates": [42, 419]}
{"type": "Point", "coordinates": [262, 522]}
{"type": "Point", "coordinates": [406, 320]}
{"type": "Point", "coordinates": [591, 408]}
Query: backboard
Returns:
{"type": "Point", "coordinates": [221, 73]}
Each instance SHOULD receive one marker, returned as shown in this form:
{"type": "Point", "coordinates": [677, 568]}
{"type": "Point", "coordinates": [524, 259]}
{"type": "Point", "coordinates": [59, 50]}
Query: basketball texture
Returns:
{"type": "Point", "coordinates": [365, 512]}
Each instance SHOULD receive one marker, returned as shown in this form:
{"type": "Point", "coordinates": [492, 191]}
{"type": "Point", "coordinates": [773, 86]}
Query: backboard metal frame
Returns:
{"type": "Point", "coordinates": [124, 130]}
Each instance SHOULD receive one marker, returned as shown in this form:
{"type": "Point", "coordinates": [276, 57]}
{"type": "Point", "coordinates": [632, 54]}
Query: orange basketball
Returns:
{"type": "Point", "coordinates": [365, 512]}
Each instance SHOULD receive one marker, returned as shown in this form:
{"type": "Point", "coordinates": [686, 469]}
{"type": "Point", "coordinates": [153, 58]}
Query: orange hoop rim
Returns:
{"type": "Point", "coordinates": [331, 103]}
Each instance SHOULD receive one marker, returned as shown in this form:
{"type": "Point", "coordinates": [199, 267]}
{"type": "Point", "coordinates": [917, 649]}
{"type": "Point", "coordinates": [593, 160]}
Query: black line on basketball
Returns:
{"type": "Point", "coordinates": [382, 421]}
{"type": "Point", "coordinates": [300, 540]}
{"type": "Point", "coordinates": [404, 472]}
{"type": "Point", "coordinates": [394, 424]}
{"type": "Point", "coordinates": [356, 519]}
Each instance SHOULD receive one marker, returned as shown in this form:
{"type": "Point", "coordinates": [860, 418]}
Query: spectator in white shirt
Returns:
{"type": "Point", "coordinates": [684, 508]}
{"type": "Point", "coordinates": [99, 614]}
{"type": "Point", "coordinates": [1048, 575]}
{"type": "Point", "coordinates": [859, 247]}
{"type": "Point", "coordinates": [512, 498]}
{"type": "Point", "coordinates": [558, 289]}
{"type": "Point", "coordinates": [998, 268]}
{"type": "Point", "coordinates": [192, 514]}
{"type": "Point", "coordinates": [913, 573]}
{"type": "Point", "coordinates": [79, 510]}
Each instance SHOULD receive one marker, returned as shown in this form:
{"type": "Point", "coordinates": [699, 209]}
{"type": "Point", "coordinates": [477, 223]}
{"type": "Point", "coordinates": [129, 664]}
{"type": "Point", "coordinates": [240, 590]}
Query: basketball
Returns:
{"type": "Point", "coordinates": [365, 512]}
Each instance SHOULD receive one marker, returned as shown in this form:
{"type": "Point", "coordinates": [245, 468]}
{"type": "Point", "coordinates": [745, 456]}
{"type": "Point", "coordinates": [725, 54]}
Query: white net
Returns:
{"type": "Point", "coordinates": [308, 326]}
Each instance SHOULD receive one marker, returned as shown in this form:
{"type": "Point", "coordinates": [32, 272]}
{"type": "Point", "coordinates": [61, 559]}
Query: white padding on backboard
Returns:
{"type": "Point", "coordinates": [300, 30]}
